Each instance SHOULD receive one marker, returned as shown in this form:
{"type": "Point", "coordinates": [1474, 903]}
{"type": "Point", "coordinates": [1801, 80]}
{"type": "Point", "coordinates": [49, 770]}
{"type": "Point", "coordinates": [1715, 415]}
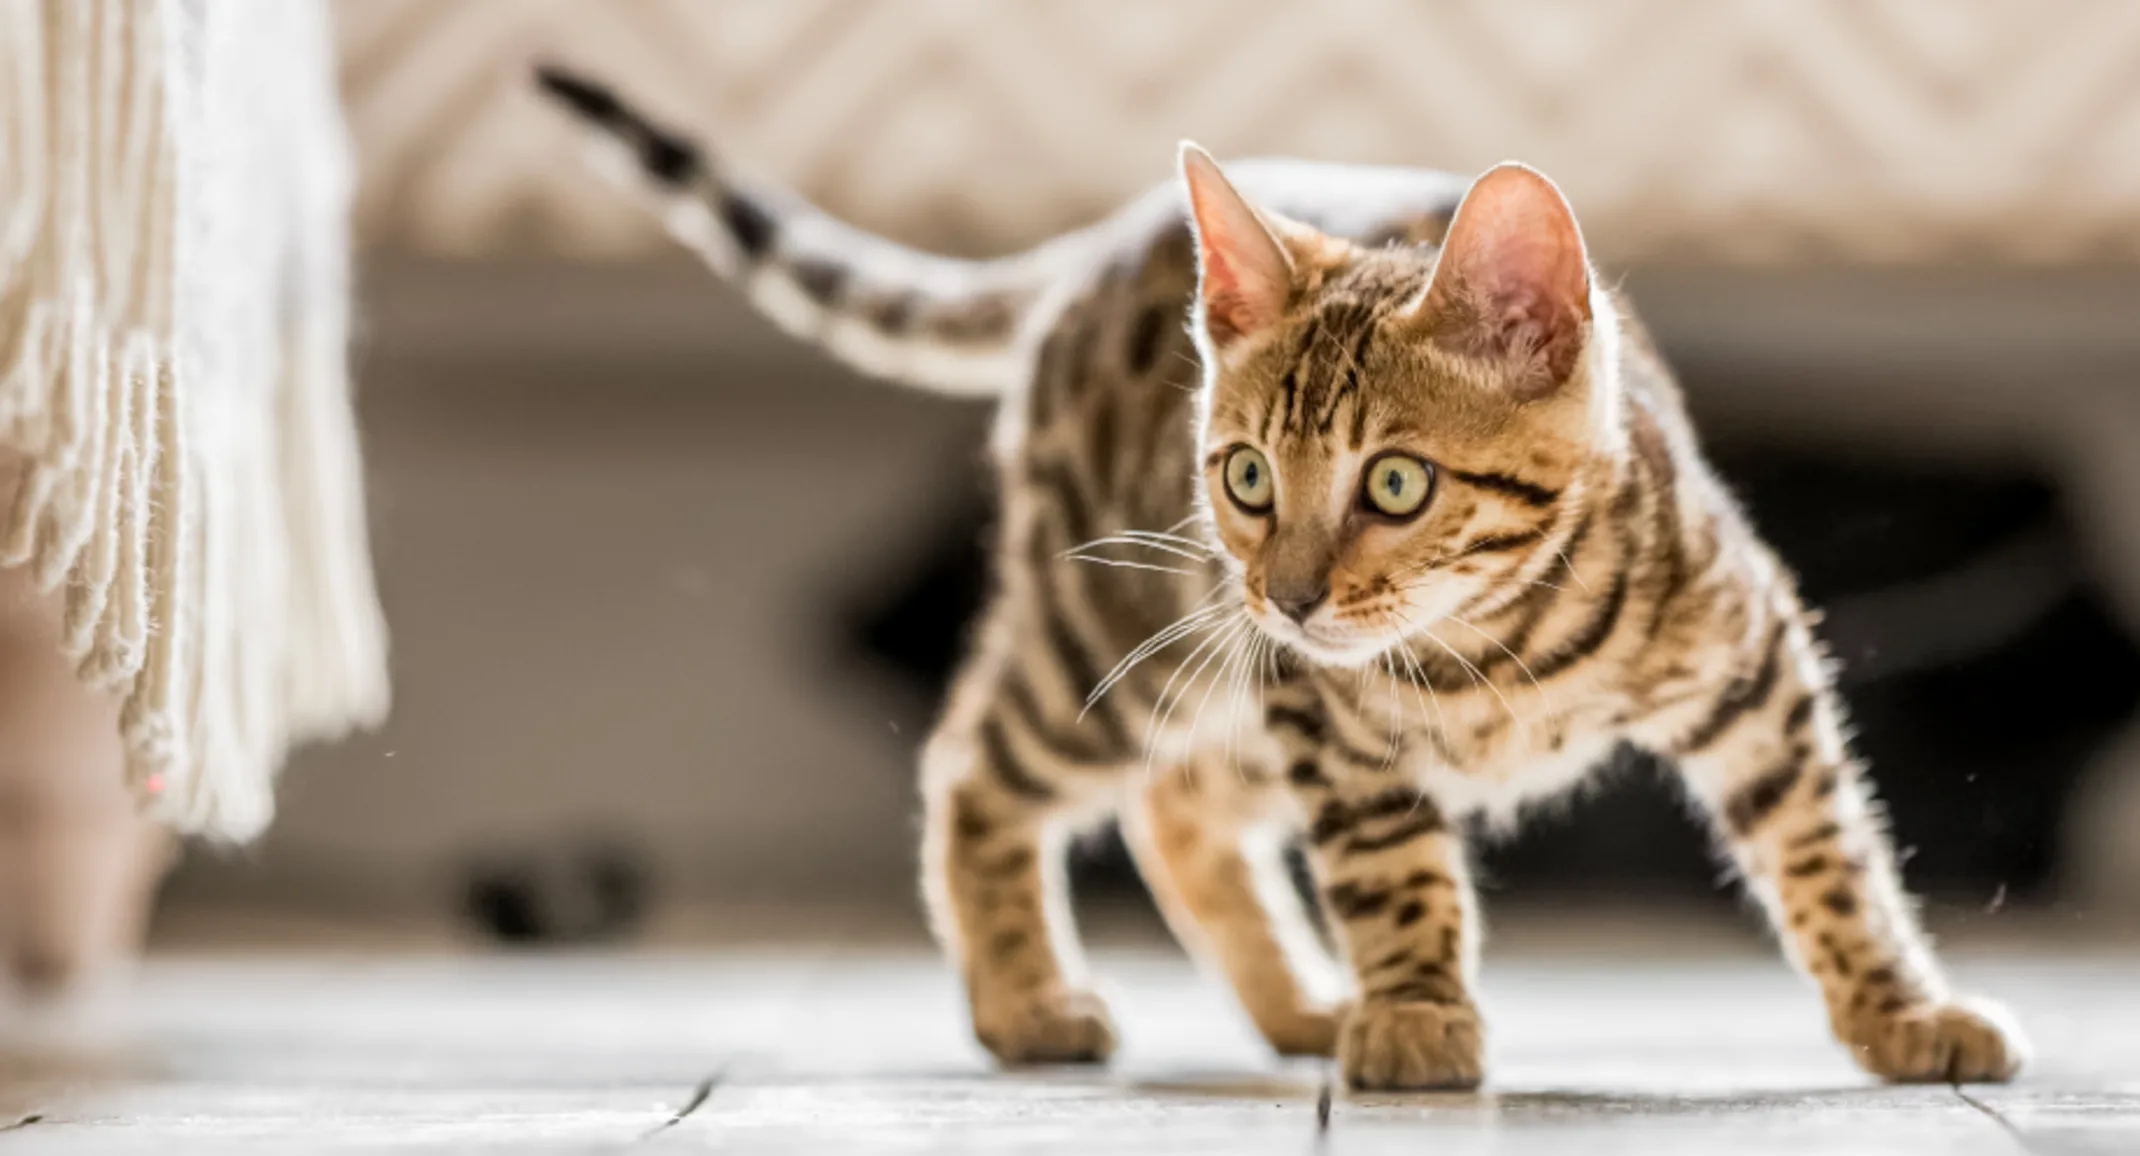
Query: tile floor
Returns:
{"type": "Point", "coordinates": [1603, 1041]}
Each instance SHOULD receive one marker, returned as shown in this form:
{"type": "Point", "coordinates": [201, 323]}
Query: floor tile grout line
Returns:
{"type": "Point", "coordinates": [699, 1095]}
{"type": "Point", "coordinates": [2013, 1131]}
{"type": "Point", "coordinates": [1322, 1111]}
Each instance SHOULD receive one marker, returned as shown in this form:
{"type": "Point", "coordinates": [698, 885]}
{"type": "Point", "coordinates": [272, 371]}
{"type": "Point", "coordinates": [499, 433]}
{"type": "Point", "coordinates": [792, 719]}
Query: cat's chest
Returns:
{"type": "Point", "coordinates": [1494, 749]}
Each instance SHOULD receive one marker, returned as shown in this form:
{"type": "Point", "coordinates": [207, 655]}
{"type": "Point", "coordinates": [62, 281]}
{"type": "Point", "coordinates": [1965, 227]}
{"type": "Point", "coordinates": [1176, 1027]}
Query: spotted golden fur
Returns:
{"type": "Point", "coordinates": [1406, 524]}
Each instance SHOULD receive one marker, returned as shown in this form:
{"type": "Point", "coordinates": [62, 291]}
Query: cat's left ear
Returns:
{"type": "Point", "coordinates": [1513, 280]}
{"type": "Point", "coordinates": [1245, 277]}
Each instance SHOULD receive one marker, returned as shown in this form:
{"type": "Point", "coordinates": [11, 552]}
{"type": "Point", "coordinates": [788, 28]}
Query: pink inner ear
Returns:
{"type": "Point", "coordinates": [1513, 281]}
{"type": "Point", "coordinates": [1246, 277]}
{"type": "Point", "coordinates": [1532, 269]}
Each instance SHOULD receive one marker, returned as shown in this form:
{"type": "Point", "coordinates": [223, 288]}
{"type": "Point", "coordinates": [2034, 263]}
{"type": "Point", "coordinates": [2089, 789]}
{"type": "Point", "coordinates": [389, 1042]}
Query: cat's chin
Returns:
{"type": "Point", "coordinates": [1329, 648]}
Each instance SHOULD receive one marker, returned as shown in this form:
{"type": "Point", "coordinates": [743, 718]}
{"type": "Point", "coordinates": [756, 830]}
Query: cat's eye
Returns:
{"type": "Point", "coordinates": [1397, 485]}
{"type": "Point", "coordinates": [1248, 479]}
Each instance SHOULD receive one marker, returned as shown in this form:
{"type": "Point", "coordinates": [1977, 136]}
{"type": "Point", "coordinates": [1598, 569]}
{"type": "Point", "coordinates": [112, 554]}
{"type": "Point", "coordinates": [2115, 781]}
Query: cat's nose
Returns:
{"type": "Point", "coordinates": [1297, 600]}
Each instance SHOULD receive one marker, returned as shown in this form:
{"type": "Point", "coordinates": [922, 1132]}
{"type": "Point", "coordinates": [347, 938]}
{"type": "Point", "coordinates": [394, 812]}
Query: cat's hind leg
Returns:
{"type": "Point", "coordinates": [1207, 849]}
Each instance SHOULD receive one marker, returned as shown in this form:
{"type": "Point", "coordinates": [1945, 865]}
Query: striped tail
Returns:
{"type": "Point", "coordinates": [934, 322]}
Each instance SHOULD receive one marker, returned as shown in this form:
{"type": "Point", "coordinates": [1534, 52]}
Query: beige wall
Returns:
{"type": "Point", "coordinates": [604, 562]}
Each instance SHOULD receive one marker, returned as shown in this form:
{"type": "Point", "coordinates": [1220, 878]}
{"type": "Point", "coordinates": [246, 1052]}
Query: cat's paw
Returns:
{"type": "Point", "coordinates": [1389, 1046]}
{"type": "Point", "coordinates": [1303, 1031]}
{"type": "Point", "coordinates": [1045, 1026]}
{"type": "Point", "coordinates": [1964, 1042]}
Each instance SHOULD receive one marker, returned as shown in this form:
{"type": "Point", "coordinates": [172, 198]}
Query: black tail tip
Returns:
{"type": "Point", "coordinates": [665, 157]}
{"type": "Point", "coordinates": [586, 97]}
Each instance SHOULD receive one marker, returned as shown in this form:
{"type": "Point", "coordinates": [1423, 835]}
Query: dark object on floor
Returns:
{"type": "Point", "coordinates": [590, 894]}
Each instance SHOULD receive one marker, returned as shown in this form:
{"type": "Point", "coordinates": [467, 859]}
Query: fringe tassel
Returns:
{"type": "Point", "coordinates": [173, 316]}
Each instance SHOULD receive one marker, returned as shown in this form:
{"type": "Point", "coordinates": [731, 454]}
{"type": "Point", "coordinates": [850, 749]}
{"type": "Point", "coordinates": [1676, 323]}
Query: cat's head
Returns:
{"type": "Point", "coordinates": [1389, 436]}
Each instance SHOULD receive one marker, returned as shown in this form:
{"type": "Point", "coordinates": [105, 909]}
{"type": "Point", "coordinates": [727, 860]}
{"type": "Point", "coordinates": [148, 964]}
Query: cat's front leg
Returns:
{"type": "Point", "coordinates": [1768, 760]}
{"type": "Point", "coordinates": [1392, 877]}
{"type": "Point", "coordinates": [1224, 890]}
{"type": "Point", "coordinates": [995, 804]}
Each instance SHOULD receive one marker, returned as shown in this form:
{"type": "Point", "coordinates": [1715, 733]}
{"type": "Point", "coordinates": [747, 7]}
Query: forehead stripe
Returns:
{"type": "Point", "coordinates": [1514, 488]}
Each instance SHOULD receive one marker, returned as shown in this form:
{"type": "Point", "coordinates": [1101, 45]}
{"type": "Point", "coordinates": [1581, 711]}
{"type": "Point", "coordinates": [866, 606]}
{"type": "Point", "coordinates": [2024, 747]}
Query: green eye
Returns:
{"type": "Point", "coordinates": [1248, 480]}
{"type": "Point", "coordinates": [1398, 485]}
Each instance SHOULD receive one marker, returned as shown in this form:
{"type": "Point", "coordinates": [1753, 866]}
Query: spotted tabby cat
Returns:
{"type": "Point", "coordinates": [1406, 524]}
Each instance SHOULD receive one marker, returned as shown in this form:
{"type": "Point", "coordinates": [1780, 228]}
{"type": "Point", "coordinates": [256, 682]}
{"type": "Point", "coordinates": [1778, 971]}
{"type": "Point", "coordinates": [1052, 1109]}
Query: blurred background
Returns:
{"type": "Point", "coordinates": [673, 598]}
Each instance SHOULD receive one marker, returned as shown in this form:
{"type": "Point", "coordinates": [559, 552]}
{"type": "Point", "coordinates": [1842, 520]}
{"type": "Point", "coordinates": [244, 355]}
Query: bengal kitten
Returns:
{"type": "Point", "coordinates": [1406, 524]}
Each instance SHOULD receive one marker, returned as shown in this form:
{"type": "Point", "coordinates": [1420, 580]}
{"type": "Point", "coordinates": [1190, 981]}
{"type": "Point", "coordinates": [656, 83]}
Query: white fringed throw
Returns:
{"type": "Point", "coordinates": [174, 186]}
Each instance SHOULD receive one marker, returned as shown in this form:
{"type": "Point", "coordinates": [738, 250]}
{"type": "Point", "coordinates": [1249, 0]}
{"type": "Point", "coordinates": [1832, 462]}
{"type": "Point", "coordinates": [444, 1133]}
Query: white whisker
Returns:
{"type": "Point", "coordinates": [1419, 679]}
{"type": "Point", "coordinates": [1396, 713]}
{"type": "Point", "coordinates": [1224, 676]}
{"type": "Point", "coordinates": [1478, 676]}
{"type": "Point", "coordinates": [1251, 671]}
{"type": "Point", "coordinates": [1261, 678]}
{"type": "Point", "coordinates": [1151, 731]}
{"type": "Point", "coordinates": [1163, 711]}
{"type": "Point", "coordinates": [1169, 538]}
{"type": "Point", "coordinates": [1228, 647]}
{"type": "Point", "coordinates": [1572, 572]}
{"type": "Point", "coordinates": [1214, 634]}
{"type": "Point", "coordinates": [1190, 623]}
{"type": "Point", "coordinates": [1126, 564]}
{"type": "Point", "coordinates": [1126, 539]}
{"type": "Point", "coordinates": [1233, 700]}
{"type": "Point", "coordinates": [1423, 583]}
{"type": "Point", "coordinates": [1517, 658]}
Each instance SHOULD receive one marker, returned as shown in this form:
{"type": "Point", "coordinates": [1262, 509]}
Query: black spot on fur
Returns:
{"type": "Point", "coordinates": [668, 159]}
{"type": "Point", "coordinates": [1809, 866]}
{"type": "Point", "coordinates": [1144, 339]}
{"type": "Point", "coordinates": [1427, 822]}
{"type": "Point", "coordinates": [1742, 696]}
{"type": "Point", "coordinates": [1308, 723]}
{"type": "Point", "coordinates": [753, 228]}
{"type": "Point", "coordinates": [1016, 861]}
{"type": "Point", "coordinates": [821, 281]}
{"type": "Point", "coordinates": [967, 821]}
{"type": "Point", "coordinates": [1816, 836]}
{"type": "Point", "coordinates": [1003, 764]}
{"type": "Point", "coordinates": [1352, 901]}
{"type": "Point", "coordinates": [1007, 942]}
{"type": "Point", "coordinates": [1513, 488]}
{"type": "Point", "coordinates": [1800, 714]}
{"type": "Point", "coordinates": [1757, 800]}
{"type": "Point", "coordinates": [894, 312]}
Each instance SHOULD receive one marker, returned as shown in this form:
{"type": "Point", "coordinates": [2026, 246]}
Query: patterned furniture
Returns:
{"type": "Point", "coordinates": [1740, 130]}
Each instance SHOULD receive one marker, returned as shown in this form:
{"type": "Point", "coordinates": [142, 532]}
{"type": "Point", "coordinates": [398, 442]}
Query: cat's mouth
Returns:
{"type": "Point", "coordinates": [1328, 643]}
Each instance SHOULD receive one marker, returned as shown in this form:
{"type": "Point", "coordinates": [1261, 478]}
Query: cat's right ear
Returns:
{"type": "Point", "coordinates": [1244, 277]}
